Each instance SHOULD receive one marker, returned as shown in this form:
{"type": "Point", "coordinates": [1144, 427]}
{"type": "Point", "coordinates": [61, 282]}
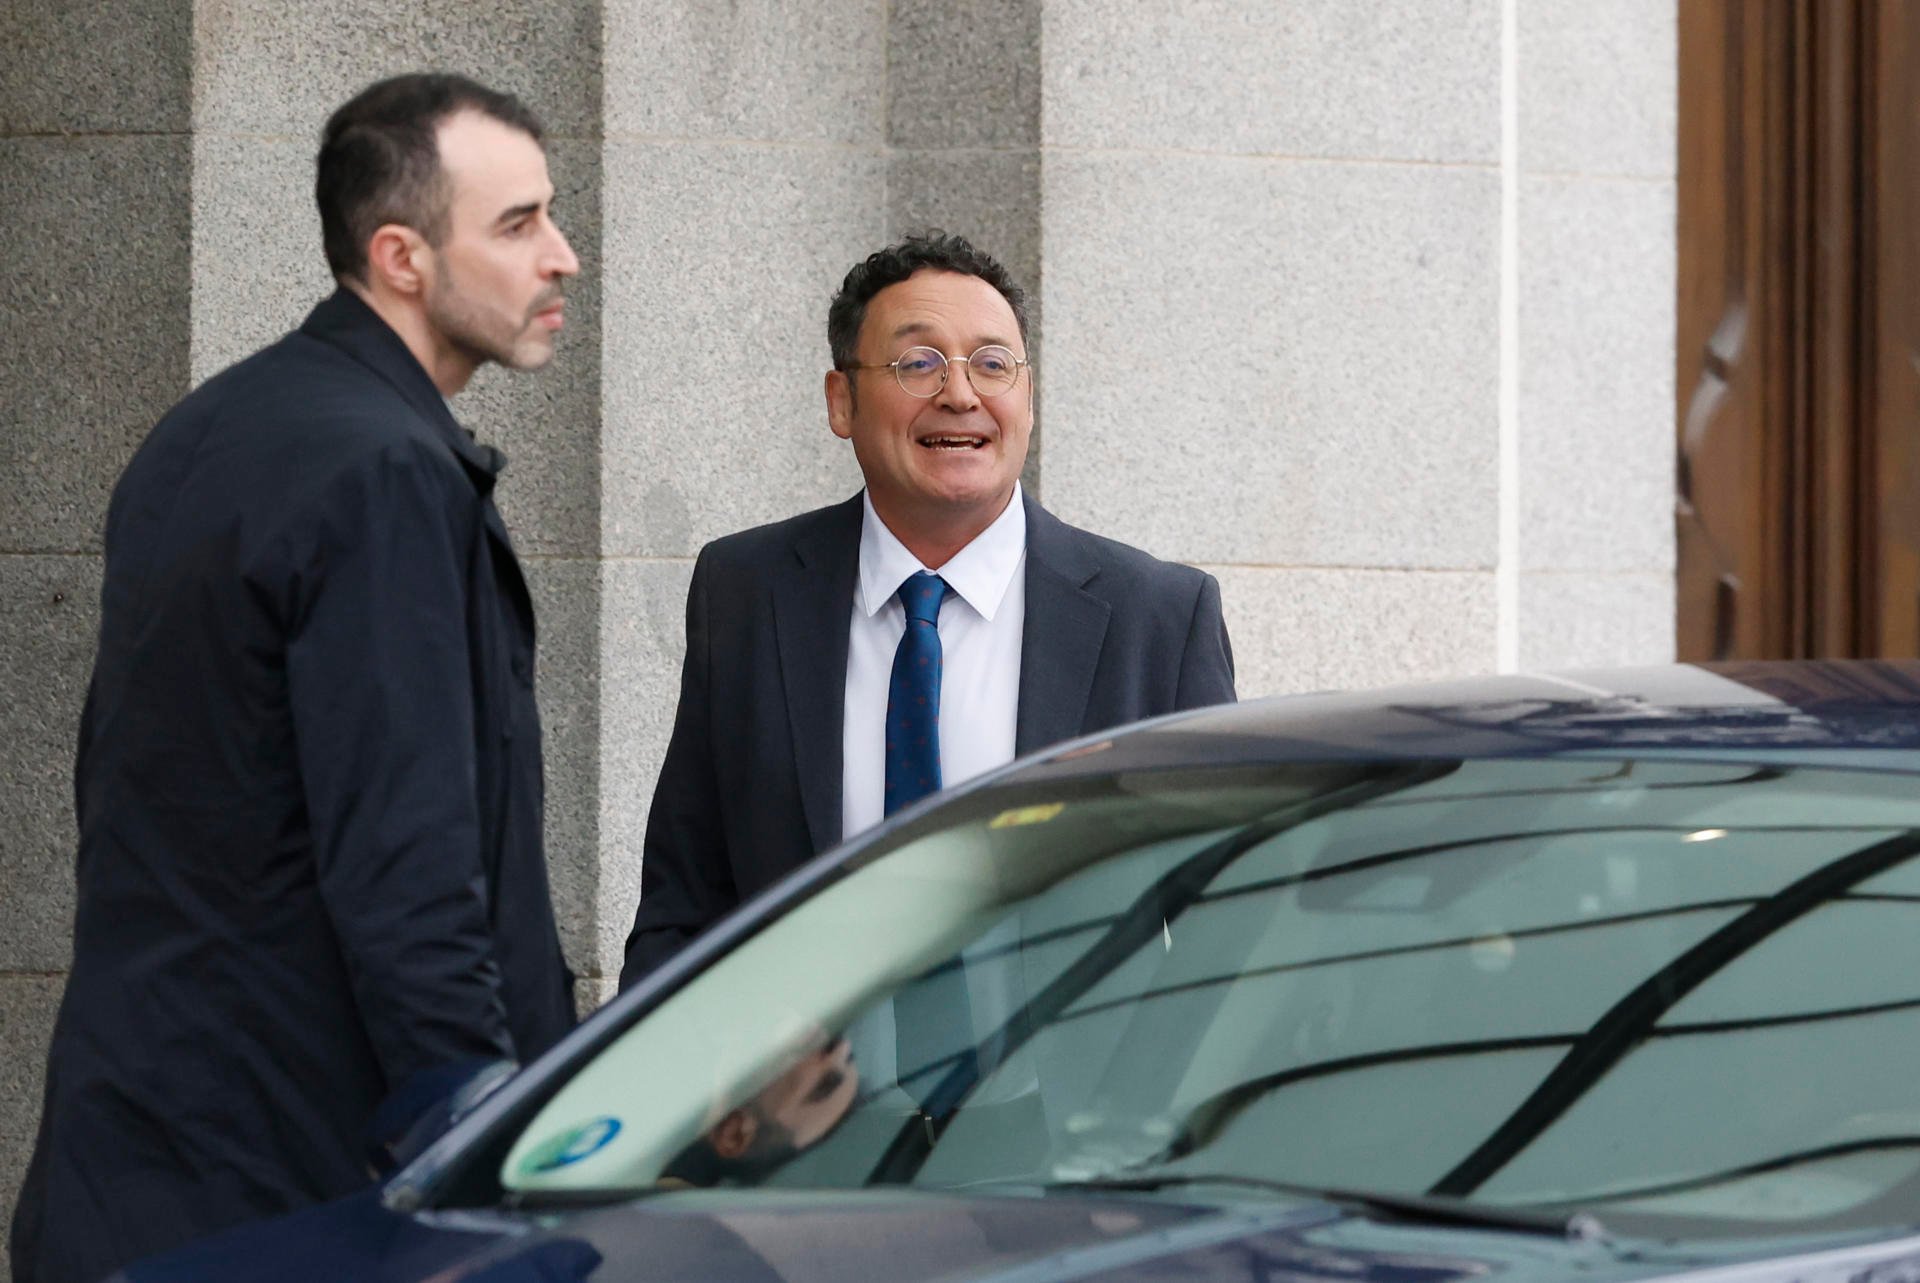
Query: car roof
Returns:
{"type": "Point", "coordinates": [1867, 711]}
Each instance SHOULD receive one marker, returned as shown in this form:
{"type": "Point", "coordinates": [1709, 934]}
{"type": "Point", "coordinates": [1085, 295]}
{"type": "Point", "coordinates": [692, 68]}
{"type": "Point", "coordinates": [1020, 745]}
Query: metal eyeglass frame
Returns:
{"type": "Point", "coordinates": [946, 369]}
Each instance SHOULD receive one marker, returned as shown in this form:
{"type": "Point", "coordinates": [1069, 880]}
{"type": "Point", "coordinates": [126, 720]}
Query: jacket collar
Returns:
{"type": "Point", "coordinates": [1065, 628]}
{"type": "Point", "coordinates": [979, 573]}
{"type": "Point", "coordinates": [344, 321]}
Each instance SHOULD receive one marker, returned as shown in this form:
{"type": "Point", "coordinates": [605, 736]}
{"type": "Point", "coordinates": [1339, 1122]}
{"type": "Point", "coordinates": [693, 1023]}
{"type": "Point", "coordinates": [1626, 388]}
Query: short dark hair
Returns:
{"type": "Point", "coordinates": [928, 251]}
{"type": "Point", "coordinates": [380, 160]}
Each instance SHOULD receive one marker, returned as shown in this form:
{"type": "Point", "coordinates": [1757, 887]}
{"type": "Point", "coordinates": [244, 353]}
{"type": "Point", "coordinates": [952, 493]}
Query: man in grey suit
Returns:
{"type": "Point", "coordinates": [846, 662]}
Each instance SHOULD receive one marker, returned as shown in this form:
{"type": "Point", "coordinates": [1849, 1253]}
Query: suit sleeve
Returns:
{"type": "Point", "coordinates": [685, 877]}
{"type": "Point", "coordinates": [381, 688]}
{"type": "Point", "coordinates": [1206, 663]}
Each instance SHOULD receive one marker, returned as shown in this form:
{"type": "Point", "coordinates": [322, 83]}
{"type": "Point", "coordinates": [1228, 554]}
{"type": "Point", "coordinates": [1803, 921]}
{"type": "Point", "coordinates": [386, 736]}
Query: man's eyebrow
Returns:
{"type": "Point", "coordinates": [517, 213]}
{"type": "Point", "coordinates": [921, 327]}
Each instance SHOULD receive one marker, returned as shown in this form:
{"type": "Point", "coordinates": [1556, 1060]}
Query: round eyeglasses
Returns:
{"type": "Point", "coordinates": [922, 371]}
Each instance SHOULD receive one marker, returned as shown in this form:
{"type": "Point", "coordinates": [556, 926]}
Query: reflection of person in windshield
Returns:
{"type": "Point", "coordinates": [792, 1113]}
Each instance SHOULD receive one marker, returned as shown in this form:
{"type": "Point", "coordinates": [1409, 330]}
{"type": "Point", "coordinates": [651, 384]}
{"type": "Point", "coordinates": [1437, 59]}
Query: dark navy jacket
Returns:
{"type": "Point", "coordinates": [309, 791]}
{"type": "Point", "coordinates": [751, 786]}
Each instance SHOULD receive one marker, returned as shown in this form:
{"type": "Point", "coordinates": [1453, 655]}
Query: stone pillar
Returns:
{"type": "Point", "coordinates": [1267, 247]}
{"type": "Point", "coordinates": [1598, 112]}
{"type": "Point", "coordinates": [161, 154]}
{"type": "Point", "coordinates": [266, 77]}
{"type": "Point", "coordinates": [746, 171]}
{"type": "Point", "coordinates": [1271, 283]}
{"type": "Point", "coordinates": [963, 127]}
{"type": "Point", "coordinates": [96, 166]}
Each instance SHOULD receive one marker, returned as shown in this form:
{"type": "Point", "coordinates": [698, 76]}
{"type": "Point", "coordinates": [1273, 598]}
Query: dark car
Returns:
{"type": "Point", "coordinates": [1601, 977]}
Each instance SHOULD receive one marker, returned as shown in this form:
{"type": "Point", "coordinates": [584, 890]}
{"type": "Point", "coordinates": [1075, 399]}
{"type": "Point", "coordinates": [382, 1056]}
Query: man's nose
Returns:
{"type": "Point", "coordinates": [957, 393]}
{"type": "Point", "coordinates": [561, 260]}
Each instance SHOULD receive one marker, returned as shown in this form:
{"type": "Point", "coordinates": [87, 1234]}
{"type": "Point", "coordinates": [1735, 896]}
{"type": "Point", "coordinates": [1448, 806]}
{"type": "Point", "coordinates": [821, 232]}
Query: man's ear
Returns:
{"type": "Point", "coordinates": [840, 404]}
{"type": "Point", "coordinates": [733, 1135]}
{"type": "Point", "coordinates": [397, 257]}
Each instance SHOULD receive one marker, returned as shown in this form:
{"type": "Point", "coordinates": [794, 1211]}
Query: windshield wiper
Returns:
{"type": "Point", "coordinates": [1143, 920]}
{"type": "Point", "coordinates": [1423, 1209]}
{"type": "Point", "coordinates": [1631, 1020]}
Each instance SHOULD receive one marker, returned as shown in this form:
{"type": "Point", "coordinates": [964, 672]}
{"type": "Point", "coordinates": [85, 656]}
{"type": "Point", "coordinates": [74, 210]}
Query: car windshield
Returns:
{"type": "Point", "coordinates": [1670, 990]}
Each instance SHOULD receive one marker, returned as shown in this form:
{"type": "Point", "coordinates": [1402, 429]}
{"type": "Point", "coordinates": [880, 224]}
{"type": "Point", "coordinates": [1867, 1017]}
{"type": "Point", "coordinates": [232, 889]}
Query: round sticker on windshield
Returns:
{"type": "Point", "coordinates": [571, 1146]}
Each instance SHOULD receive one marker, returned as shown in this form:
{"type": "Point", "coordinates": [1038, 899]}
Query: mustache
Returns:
{"type": "Point", "coordinates": [547, 298]}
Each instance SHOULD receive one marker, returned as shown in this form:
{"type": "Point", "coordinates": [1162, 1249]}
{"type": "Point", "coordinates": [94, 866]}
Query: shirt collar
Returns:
{"type": "Point", "coordinates": [979, 573]}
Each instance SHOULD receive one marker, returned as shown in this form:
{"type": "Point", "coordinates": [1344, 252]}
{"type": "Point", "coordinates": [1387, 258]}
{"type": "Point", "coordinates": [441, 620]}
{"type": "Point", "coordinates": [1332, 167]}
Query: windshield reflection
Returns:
{"type": "Point", "coordinates": [1673, 988]}
{"type": "Point", "coordinates": [792, 1113]}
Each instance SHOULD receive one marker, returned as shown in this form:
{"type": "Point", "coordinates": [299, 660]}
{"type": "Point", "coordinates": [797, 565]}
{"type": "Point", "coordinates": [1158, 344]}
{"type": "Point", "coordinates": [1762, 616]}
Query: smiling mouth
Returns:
{"type": "Point", "coordinates": [952, 441]}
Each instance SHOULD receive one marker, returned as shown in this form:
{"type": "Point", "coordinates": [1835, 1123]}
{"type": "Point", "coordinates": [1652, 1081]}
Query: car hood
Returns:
{"type": "Point", "coordinates": [824, 1238]}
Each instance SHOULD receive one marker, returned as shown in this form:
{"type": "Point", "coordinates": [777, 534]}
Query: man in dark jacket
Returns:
{"type": "Point", "coordinates": [310, 878]}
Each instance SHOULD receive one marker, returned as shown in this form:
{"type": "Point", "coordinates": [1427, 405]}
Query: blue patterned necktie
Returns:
{"type": "Point", "coordinates": [933, 1017]}
{"type": "Point", "coordinates": [913, 696]}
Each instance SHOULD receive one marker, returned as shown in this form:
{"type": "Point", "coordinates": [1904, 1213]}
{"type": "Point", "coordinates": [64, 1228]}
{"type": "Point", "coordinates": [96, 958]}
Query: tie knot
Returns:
{"type": "Point", "coordinates": [922, 595]}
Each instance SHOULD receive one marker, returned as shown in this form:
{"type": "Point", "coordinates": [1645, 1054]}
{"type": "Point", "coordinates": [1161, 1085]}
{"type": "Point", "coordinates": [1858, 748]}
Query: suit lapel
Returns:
{"type": "Point", "coordinates": [812, 604]}
{"type": "Point", "coordinates": [1061, 639]}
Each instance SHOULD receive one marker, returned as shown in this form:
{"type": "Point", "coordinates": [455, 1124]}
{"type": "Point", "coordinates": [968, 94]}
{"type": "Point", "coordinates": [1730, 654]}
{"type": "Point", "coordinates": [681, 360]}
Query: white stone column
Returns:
{"type": "Point", "coordinates": [1598, 120]}
{"type": "Point", "coordinates": [1269, 237]}
{"type": "Point", "coordinates": [746, 171]}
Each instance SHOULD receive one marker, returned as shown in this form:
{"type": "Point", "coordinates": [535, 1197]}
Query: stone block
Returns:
{"type": "Point", "coordinates": [642, 642]}
{"type": "Point", "coordinates": [95, 329]}
{"type": "Point", "coordinates": [1599, 87]}
{"type": "Point", "coordinates": [1276, 363]}
{"type": "Point", "coordinates": [1400, 79]}
{"type": "Point", "coordinates": [49, 625]}
{"type": "Point", "coordinates": [591, 994]}
{"type": "Point", "coordinates": [785, 70]}
{"type": "Point", "coordinates": [1597, 436]}
{"type": "Point", "coordinates": [258, 266]}
{"type": "Point", "coordinates": [991, 197]}
{"type": "Point", "coordinates": [1318, 630]}
{"type": "Point", "coordinates": [1595, 620]}
{"type": "Point", "coordinates": [262, 67]}
{"type": "Point", "coordinates": [963, 73]}
{"type": "Point", "coordinates": [566, 601]}
{"type": "Point", "coordinates": [720, 261]}
{"type": "Point", "coordinates": [27, 1008]}
{"type": "Point", "coordinates": [96, 67]}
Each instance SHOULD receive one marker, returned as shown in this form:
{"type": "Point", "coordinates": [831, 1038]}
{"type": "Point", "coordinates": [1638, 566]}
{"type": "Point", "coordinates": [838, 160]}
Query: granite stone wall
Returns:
{"type": "Point", "coordinates": [1264, 242]}
{"type": "Point", "coordinates": [95, 164]}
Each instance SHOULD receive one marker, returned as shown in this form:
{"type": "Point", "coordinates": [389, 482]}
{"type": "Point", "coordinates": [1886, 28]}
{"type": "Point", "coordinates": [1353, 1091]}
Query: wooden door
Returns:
{"type": "Point", "coordinates": [1798, 515]}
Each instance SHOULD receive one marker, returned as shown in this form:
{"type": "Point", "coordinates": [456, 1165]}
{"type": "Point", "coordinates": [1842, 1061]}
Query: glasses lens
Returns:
{"type": "Point", "coordinates": [994, 370]}
{"type": "Point", "coordinates": [921, 370]}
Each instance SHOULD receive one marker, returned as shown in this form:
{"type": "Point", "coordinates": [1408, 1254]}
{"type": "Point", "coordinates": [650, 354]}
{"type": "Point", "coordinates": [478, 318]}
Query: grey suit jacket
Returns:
{"type": "Point", "coordinates": [751, 786]}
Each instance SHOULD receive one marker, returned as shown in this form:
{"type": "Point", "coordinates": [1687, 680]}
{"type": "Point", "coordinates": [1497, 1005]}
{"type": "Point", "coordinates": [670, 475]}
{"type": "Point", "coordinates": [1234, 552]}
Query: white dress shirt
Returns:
{"type": "Point", "coordinates": [980, 624]}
